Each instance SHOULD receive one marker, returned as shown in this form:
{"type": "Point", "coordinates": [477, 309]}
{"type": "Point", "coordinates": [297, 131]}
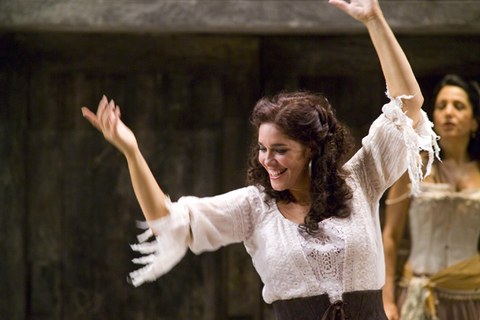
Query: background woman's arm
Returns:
{"type": "Point", "coordinates": [395, 220]}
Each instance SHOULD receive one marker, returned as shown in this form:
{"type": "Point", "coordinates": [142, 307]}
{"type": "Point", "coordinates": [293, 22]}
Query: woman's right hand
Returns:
{"type": "Point", "coordinates": [107, 120]}
{"type": "Point", "coordinates": [391, 310]}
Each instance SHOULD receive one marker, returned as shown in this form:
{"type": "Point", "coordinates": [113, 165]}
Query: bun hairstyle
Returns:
{"type": "Point", "coordinates": [308, 119]}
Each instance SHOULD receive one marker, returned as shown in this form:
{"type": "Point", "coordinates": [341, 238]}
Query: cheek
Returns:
{"type": "Point", "coordinates": [437, 121]}
{"type": "Point", "coordinates": [470, 119]}
{"type": "Point", "coordinates": [261, 158]}
{"type": "Point", "coordinates": [465, 120]}
{"type": "Point", "coordinates": [436, 116]}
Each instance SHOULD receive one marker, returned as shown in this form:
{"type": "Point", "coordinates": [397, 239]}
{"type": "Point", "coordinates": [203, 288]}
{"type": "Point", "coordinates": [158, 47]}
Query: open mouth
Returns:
{"type": "Point", "coordinates": [276, 174]}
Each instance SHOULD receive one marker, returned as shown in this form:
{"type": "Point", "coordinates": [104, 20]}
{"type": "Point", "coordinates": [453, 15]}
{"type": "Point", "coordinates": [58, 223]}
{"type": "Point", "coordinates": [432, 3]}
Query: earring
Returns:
{"type": "Point", "coordinates": [310, 167]}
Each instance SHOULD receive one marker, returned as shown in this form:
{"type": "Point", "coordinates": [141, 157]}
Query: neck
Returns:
{"type": "Point", "coordinates": [302, 197]}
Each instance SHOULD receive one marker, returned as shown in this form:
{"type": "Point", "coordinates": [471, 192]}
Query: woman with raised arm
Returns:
{"type": "Point", "coordinates": [441, 279]}
{"type": "Point", "coordinates": [308, 218]}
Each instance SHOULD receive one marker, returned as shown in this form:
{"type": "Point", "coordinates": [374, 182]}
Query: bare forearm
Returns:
{"type": "Point", "coordinates": [107, 120]}
{"type": "Point", "coordinates": [395, 219]}
{"type": "Point", "coordinates": [149, 195]}
{"type": "Point", "coordinates": [396, 68]}
{"type": "Point", "coordinates": [390, 267]}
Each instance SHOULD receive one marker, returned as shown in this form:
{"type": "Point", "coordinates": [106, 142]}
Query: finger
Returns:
{"type": "Point", "coordinates": [106, 113]}
{"type": "Point", "coordinates": [91, 117]}
{"type": "Point", "coordinates": [117, 111]}
{"type": "Point", "coordinates": [340, 4]}
{"type": "Point", "coordinates": [116, 116]}
{"type": "Point", "coordinates": [102, 106]}
{"type": "Point", "coordinates": [110, 113]}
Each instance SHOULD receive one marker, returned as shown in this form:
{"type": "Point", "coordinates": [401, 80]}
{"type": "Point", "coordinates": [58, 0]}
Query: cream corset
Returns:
{"type": "Point", "coordinates": [444, 227]}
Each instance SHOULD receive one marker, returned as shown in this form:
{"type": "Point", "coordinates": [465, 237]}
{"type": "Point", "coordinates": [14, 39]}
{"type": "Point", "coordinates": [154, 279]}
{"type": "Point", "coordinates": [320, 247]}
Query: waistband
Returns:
{"type": "Point", "coordinates": [355, 305]}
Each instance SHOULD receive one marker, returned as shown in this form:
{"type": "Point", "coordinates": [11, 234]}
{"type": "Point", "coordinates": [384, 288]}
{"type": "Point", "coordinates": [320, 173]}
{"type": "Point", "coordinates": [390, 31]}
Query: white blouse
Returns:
{"type": "Point", "coordinates": [348, 253]}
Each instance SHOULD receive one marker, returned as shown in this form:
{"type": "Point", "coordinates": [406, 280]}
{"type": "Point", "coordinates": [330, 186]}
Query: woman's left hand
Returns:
{"type": "Point", "coordinates": [361, 10]}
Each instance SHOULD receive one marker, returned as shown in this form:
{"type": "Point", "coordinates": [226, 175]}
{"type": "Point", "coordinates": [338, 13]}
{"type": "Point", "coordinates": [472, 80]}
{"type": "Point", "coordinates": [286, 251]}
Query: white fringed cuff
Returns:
{"type": "Point", "coordinates": [422, 138]}
{"type": "Point", "coordinates": [169, 247]}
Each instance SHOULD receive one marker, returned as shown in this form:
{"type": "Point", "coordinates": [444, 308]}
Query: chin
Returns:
{"type": "Point", "coordinates": [277, 188]}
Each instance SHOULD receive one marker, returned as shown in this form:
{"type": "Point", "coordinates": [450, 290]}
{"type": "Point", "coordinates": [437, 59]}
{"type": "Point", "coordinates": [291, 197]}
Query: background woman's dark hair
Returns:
{"type": "Point", "coordinates": [473, 92]}
{"type": "Point", "coordinates": [310, 120]}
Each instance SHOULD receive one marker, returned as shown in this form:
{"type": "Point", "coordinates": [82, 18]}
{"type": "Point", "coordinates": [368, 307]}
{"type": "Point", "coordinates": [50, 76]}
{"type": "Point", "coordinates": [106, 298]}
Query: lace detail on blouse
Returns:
{"type": "Point", "coordinates": [285, 267]}
{"type": "Point", "coordinates": [242, 223]}
{"type": "Point", "coordinates": [325, 254]}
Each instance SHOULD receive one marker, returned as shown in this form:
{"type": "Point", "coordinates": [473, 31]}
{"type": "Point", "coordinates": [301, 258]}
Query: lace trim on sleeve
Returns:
{"type": "Point", "coordinates": [421, 138]}
{"type": "Point", "coordinates": [168, 248]}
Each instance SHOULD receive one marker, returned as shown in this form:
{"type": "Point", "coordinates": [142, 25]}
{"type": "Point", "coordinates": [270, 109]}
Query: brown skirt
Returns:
{"type": "Point", "coordinates": [356, 305]}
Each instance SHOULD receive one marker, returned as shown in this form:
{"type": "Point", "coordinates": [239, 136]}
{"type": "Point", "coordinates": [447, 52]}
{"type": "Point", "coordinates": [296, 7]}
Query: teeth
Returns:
{"type": "Point", "coordinates": [276, 173]}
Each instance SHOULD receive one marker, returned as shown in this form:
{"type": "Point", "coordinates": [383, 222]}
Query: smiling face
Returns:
{"type": "Point", "coordinates": [453, 114]}
{"type": "Point", "coordinates": [285, 160]}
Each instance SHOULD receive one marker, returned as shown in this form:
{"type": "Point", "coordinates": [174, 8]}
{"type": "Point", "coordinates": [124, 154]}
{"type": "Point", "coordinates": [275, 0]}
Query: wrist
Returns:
{"type": "Point", "coordinates": [131, 152]}
{"type": "Point", "coordinates": [375, 21]}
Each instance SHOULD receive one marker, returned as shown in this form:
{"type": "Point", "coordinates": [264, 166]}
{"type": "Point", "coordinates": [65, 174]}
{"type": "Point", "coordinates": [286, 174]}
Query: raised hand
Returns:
{"type": "Point", "coordinates": [361, 10]}
{"type": "Point", "coordinates": [107, 120]}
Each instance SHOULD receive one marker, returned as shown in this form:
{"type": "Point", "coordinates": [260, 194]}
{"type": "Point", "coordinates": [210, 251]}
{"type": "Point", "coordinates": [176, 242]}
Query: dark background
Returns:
{"type": "Point", "coordinates": [67, 208]}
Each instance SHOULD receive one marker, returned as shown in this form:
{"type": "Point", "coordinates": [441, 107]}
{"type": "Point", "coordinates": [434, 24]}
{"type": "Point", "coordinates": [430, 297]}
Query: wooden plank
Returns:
{"type": "Point", "coordinates": [44, 113]}
{"type": "Point", "coordinates": [84, 244]}
{"type": "Point", "coordinates": [234, 16]}
{"type": "Point", "coordinates": [45, 207]}
{"type": "Point", "coordinates": [45, 164]}
{"type": "Point", "coordinates": [244, 295]}
{"type": "Point", "coordinates": [13, 193]}
{"type": "Point", "coordinates": [353, 55]}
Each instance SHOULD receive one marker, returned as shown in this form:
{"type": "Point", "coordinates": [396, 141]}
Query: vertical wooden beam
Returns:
{"type": "Point", "coordinates": [45, 169]}
{"type": "Point", "coordinates": [13, 191]}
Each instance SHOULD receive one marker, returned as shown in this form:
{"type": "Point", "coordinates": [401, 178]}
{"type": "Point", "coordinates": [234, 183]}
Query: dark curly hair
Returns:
{"type": "Point", "coordinates": [308, 119]}
{"type": "Point", "coordinates": [473, 92]}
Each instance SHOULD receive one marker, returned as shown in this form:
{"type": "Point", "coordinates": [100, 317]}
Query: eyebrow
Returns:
{"type": "Point", "coordinates": [275, 144]}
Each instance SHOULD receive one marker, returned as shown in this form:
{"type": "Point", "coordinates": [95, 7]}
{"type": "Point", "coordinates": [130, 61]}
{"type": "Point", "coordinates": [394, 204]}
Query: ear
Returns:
{"type": "Point", "coordinates": [311, 149]}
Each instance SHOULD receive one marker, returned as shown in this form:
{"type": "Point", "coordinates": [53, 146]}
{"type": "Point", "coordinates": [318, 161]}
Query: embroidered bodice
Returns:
{"type": "Point", "coordinates": [346, 256]}
{"type": "Point", "coordinates": [444, 227]}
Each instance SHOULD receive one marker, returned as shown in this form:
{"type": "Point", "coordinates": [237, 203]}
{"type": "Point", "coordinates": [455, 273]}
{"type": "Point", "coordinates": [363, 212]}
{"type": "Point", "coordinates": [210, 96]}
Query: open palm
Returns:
{"type": "Point", "coordinates": [107, 120]}
{"type": "Point", "coordinates": [361, 10]}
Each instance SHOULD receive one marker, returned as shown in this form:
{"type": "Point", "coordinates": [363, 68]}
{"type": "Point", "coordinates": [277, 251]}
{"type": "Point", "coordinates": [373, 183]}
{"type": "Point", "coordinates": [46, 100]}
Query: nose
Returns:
{"type": "Point", "coordinates": [269, 157]}
{"type": "Point", "coordinates": [449, 108]}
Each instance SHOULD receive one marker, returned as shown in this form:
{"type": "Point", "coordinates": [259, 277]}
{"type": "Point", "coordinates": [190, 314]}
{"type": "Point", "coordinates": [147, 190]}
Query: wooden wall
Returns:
{"type": "Point", "coordinates": [68, 211]}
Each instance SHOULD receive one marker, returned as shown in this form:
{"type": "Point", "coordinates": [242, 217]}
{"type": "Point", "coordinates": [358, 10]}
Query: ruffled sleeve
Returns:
{"type": "Point", "coordinates": [422, 138]}
{"type": "Point", "coordinates": [391, 147]}
{"type": "Point", "coordinates": [201, 224]}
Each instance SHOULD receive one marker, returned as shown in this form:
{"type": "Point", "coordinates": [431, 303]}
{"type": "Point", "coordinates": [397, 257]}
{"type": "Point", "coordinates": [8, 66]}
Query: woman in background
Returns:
{"type": "Point", "coordinates": [441, 279]}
